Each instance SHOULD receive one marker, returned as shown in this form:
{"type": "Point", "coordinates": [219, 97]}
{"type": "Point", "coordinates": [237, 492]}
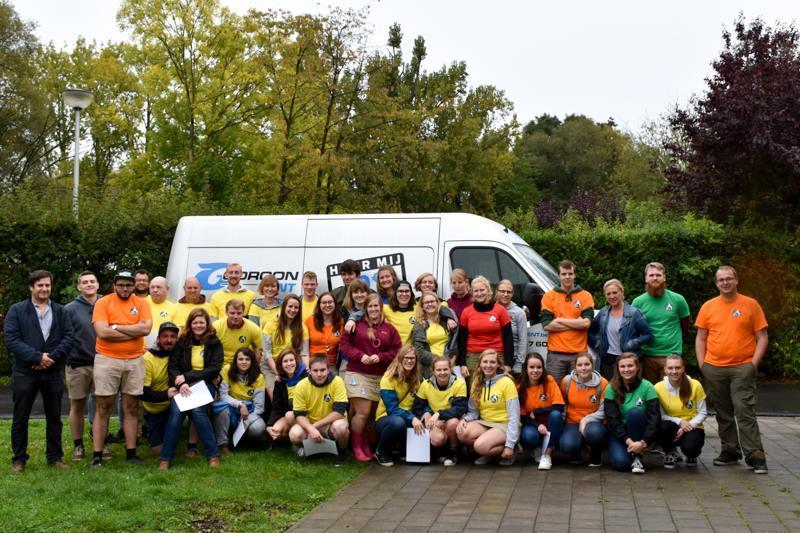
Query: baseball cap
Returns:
{"type": "Point", "coordinates": [124, 274]}
{"type": "Point", "coordinates": [168, 325]}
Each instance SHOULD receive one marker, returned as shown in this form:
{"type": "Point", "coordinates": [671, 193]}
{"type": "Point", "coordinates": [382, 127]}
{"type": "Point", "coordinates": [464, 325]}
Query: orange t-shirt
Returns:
{"type": "Point", "coordinates": [563, 306]}
{"type": "Point", "coordinates": [732, 328]}
{"type": "Point", "coordinates": [538, 396]}
{"type": "Point", "coordinates": [582, 400]}
{"type": "Point", "coordinates": [325, 341]}
{"type": "Point", "coordinates": [111, 309]}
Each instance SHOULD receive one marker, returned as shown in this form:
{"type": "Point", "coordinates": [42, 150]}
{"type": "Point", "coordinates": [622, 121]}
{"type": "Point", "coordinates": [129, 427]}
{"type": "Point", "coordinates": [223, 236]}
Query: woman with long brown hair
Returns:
{"type": "Point", "coordinates": [369, 349]}
{"type": "Point", "coordinates": [325, 328]}
{"type": "Point", "coordinates": [541, 409]}
{"type": "Point", "coordinates": [399, 385]}
{"type": "Point", "coordinates": [241, 397]}
{"type": "Point", "coordinates": [197, 357]}
{"type": "Point", "coordinates": [387, 281]}
{"type": "Point", "coordinates": [290, 371]}
{"type": "Point", "coordinates": [288, 331]}
{"type": "Point", "coordinates": [632, 411]}
{"type": "Point", "coordinates": [491, 425]}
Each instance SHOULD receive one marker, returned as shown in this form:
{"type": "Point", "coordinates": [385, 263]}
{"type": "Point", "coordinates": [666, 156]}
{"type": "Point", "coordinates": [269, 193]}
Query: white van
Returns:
{"type": "Point", "coordinates": [288, 245]}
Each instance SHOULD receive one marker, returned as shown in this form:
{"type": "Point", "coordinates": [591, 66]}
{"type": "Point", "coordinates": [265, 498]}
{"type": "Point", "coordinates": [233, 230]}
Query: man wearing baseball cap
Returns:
{"type": "Point", "coordinates": [157, 393]}
{"type": "Point", "coordinates": [121, 320]}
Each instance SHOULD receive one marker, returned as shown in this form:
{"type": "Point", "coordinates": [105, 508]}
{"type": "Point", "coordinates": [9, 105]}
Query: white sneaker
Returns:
{"type": "Point", "coordinates": [483, 460]}
{"type": "Point", "coordinates": [546, 462]}
{"type": "Point", "coordinates": [637, 467]}
{"type": "Point", "coordinates": [299, 451]}
{"type": "Point", "coordinates": [448, 461]}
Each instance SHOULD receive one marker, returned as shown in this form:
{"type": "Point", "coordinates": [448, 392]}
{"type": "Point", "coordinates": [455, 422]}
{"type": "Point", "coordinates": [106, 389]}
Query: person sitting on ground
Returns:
{"type": "Point", "coordinates": [632, 410]}
{"type": "Point", "coordinates": [398, 389]}
{"type": "Point", "coordinates": [491, 425]}
{"type": "Point", "coordinates": [582, 390]}
{"type": "Point", "coordinates": [441, 402]}
{"type": "Point", "coordinates": [683, 411]}
{"type": "Point", "coordinates": [157, 392]}
{"type": "Point", "coordinates": [320, 408]}
{"type": "Point", "coordinates": [241, 397]}
{"type": "Point", "coordinates": [541, 409]}
{"type": "Point", "coordinates": [291, 370]}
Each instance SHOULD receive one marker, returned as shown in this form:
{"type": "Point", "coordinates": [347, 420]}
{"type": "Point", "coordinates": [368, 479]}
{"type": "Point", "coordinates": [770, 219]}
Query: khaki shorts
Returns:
{"type": "Point", "coordinates": [118, 375]}
{"type": "Point", "coordinates": [502, 426]}
{"type": "Point", "coordinates": [79, 382]}
{"type": "Point", "coordinates": [269, 375]}
{"type": "Point", "coordinates": [362, 386]}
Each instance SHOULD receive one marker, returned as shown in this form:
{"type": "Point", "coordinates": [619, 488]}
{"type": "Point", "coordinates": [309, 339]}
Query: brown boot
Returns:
{"type": "Point", "coordinates": [224, 451]}
{"type": "Point", "coordinates": [60, 465]}
{"type": "Point", "coordinates": [213, 462]}
{"type": "Point", "coordinates": [18, 467]}
{"type": "Point", "coordinates": [163, 465]}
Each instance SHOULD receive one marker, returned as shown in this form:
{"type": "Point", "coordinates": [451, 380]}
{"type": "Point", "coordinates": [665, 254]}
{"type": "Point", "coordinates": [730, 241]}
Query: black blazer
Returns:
{"type": "Point", "coordinates": [24, 338]}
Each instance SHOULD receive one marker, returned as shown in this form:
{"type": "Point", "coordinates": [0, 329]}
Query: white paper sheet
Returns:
{"type": "Point", "coordinates": [545, 442]}
{"type": "Point", "coordinates": [199, 397]}
{"type": "Point", "coordinates": [238, 434]}
{"type": "Point", "coordinates": [418, 447]}
{"type": "Point", "coordinates": [311, 447]}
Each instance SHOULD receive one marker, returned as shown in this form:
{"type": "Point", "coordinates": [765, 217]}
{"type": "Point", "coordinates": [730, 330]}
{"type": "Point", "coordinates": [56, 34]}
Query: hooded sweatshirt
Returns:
{"type": "Point", "coordinates": [449, 402]}
{"type": "Point", "coordinates": [156, 380]}
{"type": "Point", "coordinates": [584, 400]}
{"type": "Point", "coordinates": [499, 402]}
{"type": "Point", "coordinates": [83, 349]}
{"type": "Point", "coordinates": [283, 394]}
{"type": "Point", "coordinates": [674, 409]}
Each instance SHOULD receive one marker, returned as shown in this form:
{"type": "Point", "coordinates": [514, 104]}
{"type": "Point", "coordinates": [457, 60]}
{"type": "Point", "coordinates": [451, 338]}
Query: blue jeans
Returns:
{"type": "Point", "coordinates": [530, 437]}
{"type": "Point", "coordinates": [617, 450]}
{"type": "Point", "coordinates": [199, 417]}
{"type": "Point", "coordinates": [596, 436]}
{"type": "Point", "coordinates": [391, 431]}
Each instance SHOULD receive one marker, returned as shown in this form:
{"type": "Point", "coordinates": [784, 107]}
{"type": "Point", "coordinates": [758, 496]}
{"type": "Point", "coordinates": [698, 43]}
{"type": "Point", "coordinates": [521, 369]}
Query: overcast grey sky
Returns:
{"type": "Point", "coordinates": [632, 60]}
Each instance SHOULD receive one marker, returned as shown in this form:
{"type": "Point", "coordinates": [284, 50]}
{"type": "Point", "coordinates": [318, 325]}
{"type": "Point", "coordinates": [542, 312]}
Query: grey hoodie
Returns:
{"type": "Point", "coordinates": [512, 408]}
{"type": "Point", "coordinates": [593, 383]}
{"type": "Point", "coordinates": [701, 410]}
{"type": "Point", "coordinates": [83, 349]}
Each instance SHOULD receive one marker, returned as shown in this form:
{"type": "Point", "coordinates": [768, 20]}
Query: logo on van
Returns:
{"type": "Point", "coordinates": [369, 268]}
{"type": "Point", "coordinates": [211, 276]}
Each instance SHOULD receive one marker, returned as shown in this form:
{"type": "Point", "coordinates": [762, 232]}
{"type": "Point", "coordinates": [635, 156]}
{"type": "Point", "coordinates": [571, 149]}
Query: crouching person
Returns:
{"type": "Point", "coordinates": [320, 406]}
{"type": "Point", "coordinates": [157, 391]}
{"type": "Point", "coordinates": [242, 393]}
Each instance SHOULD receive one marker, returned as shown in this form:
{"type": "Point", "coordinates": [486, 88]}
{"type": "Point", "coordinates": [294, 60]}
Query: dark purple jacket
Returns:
{"type": "Point", "coordinates": [354, 345]}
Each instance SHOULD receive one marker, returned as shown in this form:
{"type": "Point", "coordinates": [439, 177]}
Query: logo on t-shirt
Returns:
{"type": "Point", "coordinates": [134, 311]}
{"type": "Point", "coordinates": [689, 404]}
{"type": "Point", "coordinates": [327, 397]}
{"type": "Point", "coordinates": [736, 313]}
{"type": "Point", "coordinates": [543, 397]}
{"type": "Point", "coordinates": [412, 320]}
{"type": "Point", "coordinates": [577, 304]}
{"type": "Point", "coordinates": [450, 400]}
{"type": "Point", "coordinates": [242, 338]}
{"type": "Point", "coordinates": [494, 398]}
{"type": "Point", "coordinates": [163, 314]}
{"type": "Point", "coordinates": [335, 333]}
{"type": "Point", "coordinates": [492, 318]}
{"type": "Point", "coordinates": [640, 401]}
{"type": "Point", "coordinates": [668, 307]}
{"type": "Point", "coordinates": [593, 398]}
{"type": "Point", "coordinates": [250, 392]}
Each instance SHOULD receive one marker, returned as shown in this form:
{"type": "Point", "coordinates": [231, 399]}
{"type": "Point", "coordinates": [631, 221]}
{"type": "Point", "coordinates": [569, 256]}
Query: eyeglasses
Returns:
{"type": "Point", "coordinates": [409, 358]}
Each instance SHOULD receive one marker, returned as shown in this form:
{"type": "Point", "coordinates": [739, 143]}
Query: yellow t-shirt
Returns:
{"type": "Point", "coordinates": [307, 308]}
{"type": "Point", "coordinates": [197, 356]}
{"type": "Point", "coordinates": [672, 404]}
{"type": "Point", "coordinates": [492, 404]}
{"type": "Point", "coordinates": [232, 339]}
{"type": "Point", "coordinates": [403, 322]}
{"type": "Point", "coordinates": [317, 402]}
{"type": "Point", "coordinates": [404, 396]}
{"type": "Point", "coordinates": [437, 338]}
{"type": "Point", "coordinates": [241, 391]}
{"type": "Point", "coordinates": [163, 312]}
{"type": "Point", "coordinates": [220, 298]}
{"type": "Point", "coordinates": [439, 400]}
{"type": "Point", "coordinates": [264, 316]}
{"type": "Point", "coordinates": [155, 377]}
{"type": "Point", "coordinates": [277, 348]}
{"type": "Point", "coordinates": [182, 313]}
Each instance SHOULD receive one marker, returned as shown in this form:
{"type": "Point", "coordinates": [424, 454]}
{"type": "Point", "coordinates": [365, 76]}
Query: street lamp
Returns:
{"type": "Point", "coordinates": [77, 100]}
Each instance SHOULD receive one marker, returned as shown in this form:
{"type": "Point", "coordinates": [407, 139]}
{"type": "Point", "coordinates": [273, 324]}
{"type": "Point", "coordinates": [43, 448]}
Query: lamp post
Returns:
{"type": "Point", "coordinates": [78, 100]}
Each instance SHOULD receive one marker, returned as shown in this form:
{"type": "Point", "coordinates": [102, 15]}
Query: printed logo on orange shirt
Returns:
{"type": "Point", "coordinates": [736, 313]}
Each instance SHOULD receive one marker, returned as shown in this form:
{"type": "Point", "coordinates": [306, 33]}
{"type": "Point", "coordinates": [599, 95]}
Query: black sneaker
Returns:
{"type": "Point", "coordinates": [757, 461]}
{"type": "Point", "coordinates": [341, 458]}
{"type": "Point", "coordinates": [727, 458]}
{"type": "Point", "coordinates": [97, 462]}
{"type": "Point", "coordinates": [383, 459]}
{"type": "Point", "coordinates": [691, 462]}
{"type": "Point", "coordinates": [134, 460]}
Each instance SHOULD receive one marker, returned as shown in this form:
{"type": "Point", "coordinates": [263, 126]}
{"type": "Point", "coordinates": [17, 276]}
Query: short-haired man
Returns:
{"type": "Point", "coordinates": [730, 344]}
{"type": "Point", "coordinates": [567, 313]}
{"type": "Point", "coordinates": [156, 392]}
{"type": "Point", "coordinates": [234, 289]}
{"type": "Point", "coordinates": [38, 333]}
{"type": "Point", "coordinates": [192, 297]}
{"type": "Point", "coordinates": [121, 320]}
{"type": "Point", "coordinates": [235, 331]}
{"type": "Point", "coordinates": [141, 283]}
{"type": "Point", "coordinates": [349, 270]}
{"type": "Point", "coordinates": [668, 315]}
{"type": "Point", "coordinates": [161, 309]}
{"type": "Point", "coordinates": [320, 405]}
{"type": "Point", "coordinates": [80, 361]}
{"type": "Point", "coordinates": [309, 300]}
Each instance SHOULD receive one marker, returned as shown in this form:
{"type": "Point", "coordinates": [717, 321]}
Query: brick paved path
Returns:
{"type": "Point", "coordinates": [570, 498]}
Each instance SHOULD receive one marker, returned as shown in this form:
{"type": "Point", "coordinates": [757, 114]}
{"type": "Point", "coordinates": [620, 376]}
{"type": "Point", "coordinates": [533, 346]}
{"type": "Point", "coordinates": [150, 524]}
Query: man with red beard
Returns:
{"type": "Point", "coordinates": [668, 315]}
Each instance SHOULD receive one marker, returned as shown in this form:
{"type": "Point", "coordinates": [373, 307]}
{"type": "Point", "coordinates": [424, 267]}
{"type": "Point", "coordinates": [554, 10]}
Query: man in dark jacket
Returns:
{"type": "Point", "coordinates": [38, 335]}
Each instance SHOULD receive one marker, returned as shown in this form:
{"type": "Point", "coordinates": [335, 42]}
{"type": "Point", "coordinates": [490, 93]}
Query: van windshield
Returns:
{"type": "Point", "coordinates": [538, 264]}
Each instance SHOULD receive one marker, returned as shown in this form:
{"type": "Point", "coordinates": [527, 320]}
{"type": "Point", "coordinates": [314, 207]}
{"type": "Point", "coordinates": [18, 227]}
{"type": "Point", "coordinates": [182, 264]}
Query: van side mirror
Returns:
{"type": "Point", "coordinates": [532, 298]}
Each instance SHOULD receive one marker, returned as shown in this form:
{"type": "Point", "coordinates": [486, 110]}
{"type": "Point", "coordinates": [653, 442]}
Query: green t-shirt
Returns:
{"type": "Point", "coordinates": [664, 315]}
{"type": "Point", "coordinates": [634, 399]}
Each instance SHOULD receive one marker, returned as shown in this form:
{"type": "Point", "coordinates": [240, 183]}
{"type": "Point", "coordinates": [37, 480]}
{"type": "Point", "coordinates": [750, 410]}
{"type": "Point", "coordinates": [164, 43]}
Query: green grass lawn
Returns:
{"type": "Point", "coordinates": [252, 490]}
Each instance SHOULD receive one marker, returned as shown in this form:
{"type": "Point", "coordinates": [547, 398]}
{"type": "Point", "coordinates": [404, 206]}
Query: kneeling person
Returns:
{"type": "Point", "coordinates": [242, 394]}
{"type": "Point", "coordinates": [320, 406]}
{"type": "Point", "coordinates": [157, 392]}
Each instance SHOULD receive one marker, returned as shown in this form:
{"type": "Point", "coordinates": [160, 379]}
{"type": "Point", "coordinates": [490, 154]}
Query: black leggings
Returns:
{"type": "Point", "coordinates": [691, 443]}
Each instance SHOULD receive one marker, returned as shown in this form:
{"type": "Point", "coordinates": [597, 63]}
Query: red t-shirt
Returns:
{"type": "Point", "coordinates": [485, 328]}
